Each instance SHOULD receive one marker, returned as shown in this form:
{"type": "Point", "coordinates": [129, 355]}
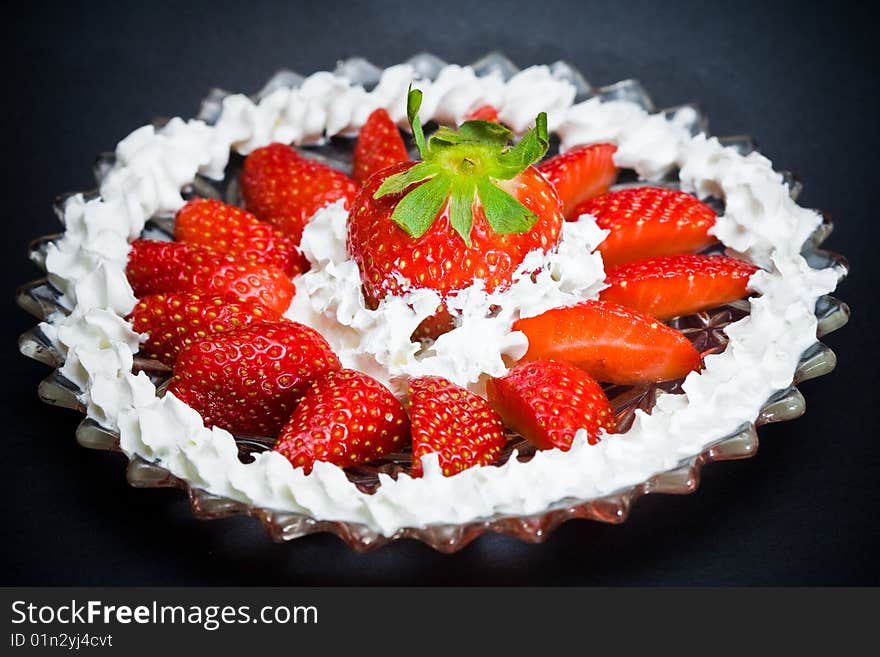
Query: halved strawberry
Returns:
{"type": "Point", "coordinates": [229, 229]}
{"type": "Point", "coordinates": [173, 321]}
{"type": "Point", "coordinates": [454, 423]}
{"type": "Point", "coordinates": [483, 113]}
{"type": "Point", "coordinates": [379, 145]}
{"type": "Point", "coordinates": [285, 189]}
{"type": "Point", "coordinates": [548, 401]}
{"type": "Point", "coordinates": [670, 286]}
{"type": "Point", "coordinates": [250, 380]}
{"type": "Point", "coordinates": [649, 221]}
{"type": "Point", "coordinates": [346, 418]}
{"type": "Point", "coordinates": [613, 343]}
{"type": "Point", "coordinates": [580, 174]}
{"type": "Point", "coordinates": [155, 267]}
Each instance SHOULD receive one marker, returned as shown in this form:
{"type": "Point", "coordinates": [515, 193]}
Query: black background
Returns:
{"type": "Point", "coordinates": [800, 77]}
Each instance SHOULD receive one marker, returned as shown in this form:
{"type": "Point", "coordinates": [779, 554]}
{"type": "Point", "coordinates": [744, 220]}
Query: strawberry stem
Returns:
{"type": "Point", "coordinates": [413, 103]}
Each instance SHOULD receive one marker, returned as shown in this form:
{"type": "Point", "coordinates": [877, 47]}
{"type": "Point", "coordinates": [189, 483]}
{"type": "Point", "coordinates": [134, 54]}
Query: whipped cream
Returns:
{"type": "Point", "coordinates": [761, 222]}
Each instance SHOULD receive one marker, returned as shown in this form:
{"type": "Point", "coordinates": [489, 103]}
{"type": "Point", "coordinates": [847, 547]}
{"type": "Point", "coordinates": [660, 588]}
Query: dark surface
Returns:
{"type": "Point", "coordinates": [798, 77]}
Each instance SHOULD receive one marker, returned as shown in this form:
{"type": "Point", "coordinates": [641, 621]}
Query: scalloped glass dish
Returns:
{"type": "Point", "coordinates": [43, 300]}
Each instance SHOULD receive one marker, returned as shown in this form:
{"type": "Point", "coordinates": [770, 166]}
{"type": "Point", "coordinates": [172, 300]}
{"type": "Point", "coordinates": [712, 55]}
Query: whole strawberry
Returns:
{"type": "Point", "coordinates": [346, 418]}
{"type": "Point", "coordinates": [285, 189]}
{"type": "Point", "coordinates": [471, 209]}
{"type": "Point", "coordinates": [250, 380]}
{"type": "Point", "coordinates": [174, 321]}
{"type": "Point", "coordinates": [548, 401]}
{"type": "Point", "coordinates": [379, 145]}
{"type": "Point", "coordinates": [155, 267]}
{"type": "Point", "coordinates": [229, 229]}
{"type": "Point", "coordinates": [454, 423]}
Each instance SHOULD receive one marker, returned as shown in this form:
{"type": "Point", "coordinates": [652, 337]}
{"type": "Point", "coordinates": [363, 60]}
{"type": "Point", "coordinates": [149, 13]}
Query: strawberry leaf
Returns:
{"type": "Point", "coordinates": [503, 212]}
{"type": "Point", "coordinates": [400, 181]}
{"type": "Point", "coordinates": [445, 138]}
{"type": "Point", "coordinates": [485, 131]}
{"type": "Point", "coordinates": [419, 208]}
{"type": "Point", "coordinates": [472, 132]}
{"type": "Point", "coordinates": [461, 210]}
{"type": "Point", "coordinates": [530, 148]}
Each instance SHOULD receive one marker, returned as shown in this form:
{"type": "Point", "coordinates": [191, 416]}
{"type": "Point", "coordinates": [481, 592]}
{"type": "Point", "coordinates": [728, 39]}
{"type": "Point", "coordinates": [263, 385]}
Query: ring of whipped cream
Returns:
{"type": "Point", "coordinates": [761, 222]}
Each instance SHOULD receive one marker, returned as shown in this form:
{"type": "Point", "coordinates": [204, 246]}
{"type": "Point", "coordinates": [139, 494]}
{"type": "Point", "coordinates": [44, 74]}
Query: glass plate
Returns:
{"type": "Point", "coordinates": [41, 299]}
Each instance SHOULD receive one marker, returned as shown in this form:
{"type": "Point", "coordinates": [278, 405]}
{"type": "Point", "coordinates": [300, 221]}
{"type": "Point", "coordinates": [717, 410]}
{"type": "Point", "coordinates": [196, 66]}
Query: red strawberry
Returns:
{"type": "Point", "coordinates": [155, 267]}
{"type": "Point", "coordinates": [436, 325]}
{"type": "Point", "coordinates": [670, 286]}
{"type": "Point", "coordinates": [229, 229]}
{"type": "Point", "coordinates": [345, 418]}
{"type": "Point", "coordinates": [379, 145]}
{"type": "Point", "coordinates": [285, 189]}
{"type": "Point", "coordinates": [472, 208]}
{"type": "Point", "coordinates": [580, 174]}
{"type": "Point", "coordinates": [453, 422]}
{"type": "Point", "coordinates": [173, 321]}
{"type": "Point", "coordinates": [483, 113]}
{"type": "Point", "coordinates": [613, 343]}
{"type": "Point", "coordinates": [649, 221]}
{"type": "Point", "coordinates": [548, 401]}
{"type": "Point", "coordinates": [250, 380]}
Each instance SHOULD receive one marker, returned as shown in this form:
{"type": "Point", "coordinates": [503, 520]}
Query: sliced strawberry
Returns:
{"type": "Point", "coordinates": [649, 221]}
{"type": "Point", "coordinates": [613, 343]}
{"type": "Point", "coordinates": [483, 113]}
{"type": "Point", "coordinates": [670, 286]}
{"type": "Point", "coordinates": [285, 189]}
{"type": "Point", "coordinates": [379, 145]}
{"type": "Point", "coordinates": [548, 401]}
{"type": "Point", "coordinates": [173, 321]}
{"type": "Point", "coordinates": [454, 423]}
{"type": "Point", "coordinates": [580, 174]}
{"type": "Point", "coordinates": [346, 418]}
{"type": "Point", "coordinates": [229, 229]}
{"type": "Point", "coordinates": [155, 267]}
{"type": "Point", "coordinates": [250, 380]}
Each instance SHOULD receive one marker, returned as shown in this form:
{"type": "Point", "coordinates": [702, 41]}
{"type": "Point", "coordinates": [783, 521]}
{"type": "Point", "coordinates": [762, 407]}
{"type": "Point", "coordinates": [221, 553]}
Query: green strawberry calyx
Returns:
{"type": "Point", "coordinates": [461, 167]}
